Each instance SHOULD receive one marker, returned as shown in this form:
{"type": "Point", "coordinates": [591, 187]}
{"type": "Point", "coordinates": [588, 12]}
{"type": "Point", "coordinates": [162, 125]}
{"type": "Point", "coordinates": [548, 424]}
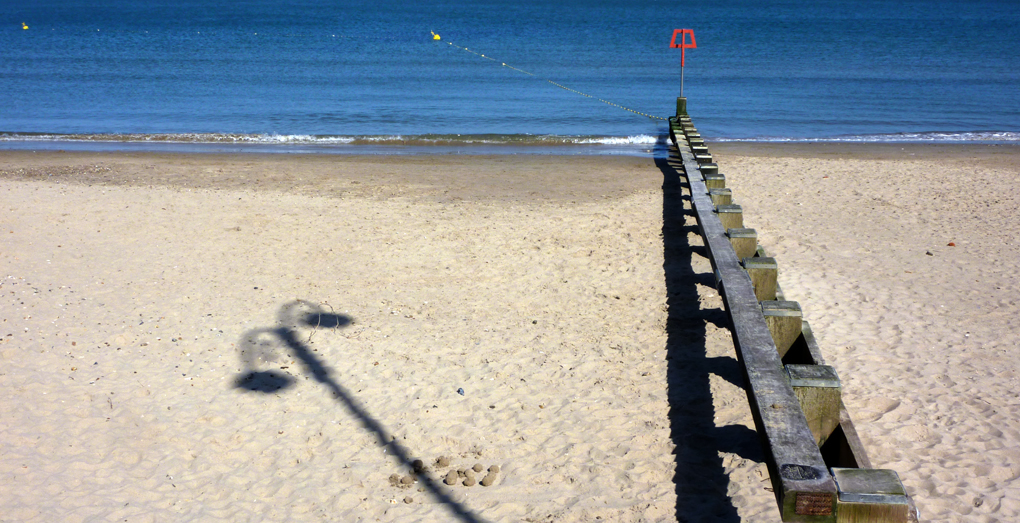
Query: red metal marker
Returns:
{"type": "Point", "coordinates": [683, 46]}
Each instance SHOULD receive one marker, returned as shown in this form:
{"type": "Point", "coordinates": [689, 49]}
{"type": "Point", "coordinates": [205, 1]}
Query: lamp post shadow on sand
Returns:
{"type": "Point", "coordinates": [257, 344]}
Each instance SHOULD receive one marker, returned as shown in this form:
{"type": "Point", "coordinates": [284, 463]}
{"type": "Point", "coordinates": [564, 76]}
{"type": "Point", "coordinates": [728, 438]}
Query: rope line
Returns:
{"type": "Point", "coordinates": [561, 86]}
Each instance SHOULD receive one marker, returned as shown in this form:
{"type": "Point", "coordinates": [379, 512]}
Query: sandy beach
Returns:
{"type": "Point", "coordinates": [281, 337]}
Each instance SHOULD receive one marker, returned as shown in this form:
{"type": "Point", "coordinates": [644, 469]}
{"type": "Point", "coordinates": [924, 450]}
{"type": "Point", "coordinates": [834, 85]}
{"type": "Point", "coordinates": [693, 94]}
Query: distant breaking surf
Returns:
{"type": "Point", "coordinates": [328, 140]}
{"type": "Point", "coordinates": [925, 137]}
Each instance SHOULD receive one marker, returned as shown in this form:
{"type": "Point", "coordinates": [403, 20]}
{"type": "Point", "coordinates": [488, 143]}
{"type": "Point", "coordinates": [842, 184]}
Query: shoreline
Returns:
{"type": "Point", "coordinates": [464, 145]}
{"type": "Point", "coordinates": [442, 176]}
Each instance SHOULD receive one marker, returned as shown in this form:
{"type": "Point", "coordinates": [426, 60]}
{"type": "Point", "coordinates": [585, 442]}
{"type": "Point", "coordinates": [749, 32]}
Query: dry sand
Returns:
{"type": "Point", "coordinates": [904, 261]}
{"type": "Point", "coordinates": [248, 338]}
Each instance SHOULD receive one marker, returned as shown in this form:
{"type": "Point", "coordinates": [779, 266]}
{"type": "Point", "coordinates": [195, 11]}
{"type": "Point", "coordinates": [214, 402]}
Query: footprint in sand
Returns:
{"type": "Point", "coordinates": [878, 407]}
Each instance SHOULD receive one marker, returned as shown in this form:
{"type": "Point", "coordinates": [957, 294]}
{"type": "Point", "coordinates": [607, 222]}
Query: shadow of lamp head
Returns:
{"type": "Point", "coordinates": [260, 346]}
{"type": "Point", "coordinates": [263, 381]}
{"type": "Point", "coordinates": [303, 313]}
{"type": "Point", "coordinates": [325, 320]}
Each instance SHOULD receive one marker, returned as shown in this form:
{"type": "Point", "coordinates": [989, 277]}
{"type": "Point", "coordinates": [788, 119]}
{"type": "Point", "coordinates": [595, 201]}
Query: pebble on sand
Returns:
{"type": "Point", "coordinates": [451, 478]}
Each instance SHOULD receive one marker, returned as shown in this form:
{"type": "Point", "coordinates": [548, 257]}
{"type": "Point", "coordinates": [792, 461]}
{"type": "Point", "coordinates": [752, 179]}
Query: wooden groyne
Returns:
{"type": "Point", "coordinates": [817, 464]}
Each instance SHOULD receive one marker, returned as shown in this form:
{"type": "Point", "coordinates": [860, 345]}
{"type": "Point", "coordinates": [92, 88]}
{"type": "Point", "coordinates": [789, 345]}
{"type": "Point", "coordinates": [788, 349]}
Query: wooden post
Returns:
{"type": "Point", "coordinates": [764, 273]}
{"type": "Point", "coordinates": [681, 105]}
{"type": "Point", "coordinates": [744, 241]}
{"type": "Point", "coordinates": [818, 389]}
{"type": "Point", "coordinates": [703, 158]}
{"type": "Point", "coordinates": [870, 496]}
{"type": "Point", "coordinates": [784, 321]}
{"type": "Point", "coordinates": [721, 196]}
{"type": "Point", "coordinates": [699, 149]}
{"type": "Point", "coordinates": [731, 216]}
{"type": "Point", "coordinates": [715, 181]}
{"type": "Point", "coordinates": [708, 168]}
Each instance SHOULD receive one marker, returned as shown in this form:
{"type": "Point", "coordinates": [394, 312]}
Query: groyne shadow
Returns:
{"type": "Point", "coordinates": [700, 479]}
{"type": "Point", "coordinates": [299, 313]}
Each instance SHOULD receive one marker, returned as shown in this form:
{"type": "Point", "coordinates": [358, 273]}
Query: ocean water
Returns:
{"type": "Point", "coordinates": [598, 75]}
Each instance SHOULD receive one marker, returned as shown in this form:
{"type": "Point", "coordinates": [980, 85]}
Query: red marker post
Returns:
{"type": "Point", "coordinates": [683, 46]}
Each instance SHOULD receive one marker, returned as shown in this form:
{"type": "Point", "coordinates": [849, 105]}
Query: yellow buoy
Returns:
{"type": "Point", "coordinates": [24, 25]}
{"type": "Point", "coordinates": [434, 35]}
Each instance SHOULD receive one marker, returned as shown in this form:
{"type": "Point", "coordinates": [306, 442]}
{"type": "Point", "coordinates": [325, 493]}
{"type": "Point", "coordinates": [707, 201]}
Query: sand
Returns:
{"type": "Point", "coordinates": [261, 338]}
{"type": "Point", "coordinates": [903, 259]}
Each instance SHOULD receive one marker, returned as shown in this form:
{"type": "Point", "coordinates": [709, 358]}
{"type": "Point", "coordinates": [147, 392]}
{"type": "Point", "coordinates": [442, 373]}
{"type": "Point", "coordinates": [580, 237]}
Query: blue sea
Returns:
{"type": "Point", "coordinates": [592, 76]}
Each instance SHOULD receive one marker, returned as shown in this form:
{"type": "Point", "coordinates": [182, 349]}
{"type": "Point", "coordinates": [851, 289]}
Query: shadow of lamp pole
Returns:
{"type": "Point", "coordinates": [258, 343]}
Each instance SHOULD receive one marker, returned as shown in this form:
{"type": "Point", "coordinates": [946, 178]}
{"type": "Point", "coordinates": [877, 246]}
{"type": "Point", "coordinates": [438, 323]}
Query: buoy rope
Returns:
{"type": "Point", "coordinates": [561, 86]}
{"type": "Point", "coordinates": [508, 66]}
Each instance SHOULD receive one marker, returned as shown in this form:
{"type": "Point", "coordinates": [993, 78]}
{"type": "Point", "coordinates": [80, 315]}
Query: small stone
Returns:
{"type": "Point", "coordinates": [443, 461]}
{"type": "Point", "coordinates": [460, 391]}
{"type": "Point", "coordinates": [418, 466]}
{"type": "Point", "coordinates": [469, 481]}
{"type": "Point", "coordinates": [451, 478]}
{"type": "Point", "coordinates": [407, 480]}
{"type": "Point", "coordinates": [394, 479]}
{"type": "Point", "coordinates": [408, 500]}
{"type": "Point", "coordinates": [929, 253]}
{"type": "Point", "coordinates": [478, 467]}
{"type": "Point", "coordinates": [494, 469]}
{"type": "Point", "coordinates": [951, 244]}
{"type": "Point", "coordinates": [489, 479]}
{"type": "Point", "coordinates": [470, 474]}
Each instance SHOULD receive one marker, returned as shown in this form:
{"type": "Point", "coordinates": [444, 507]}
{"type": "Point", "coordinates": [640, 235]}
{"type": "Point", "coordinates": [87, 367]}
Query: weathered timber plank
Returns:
{"type": "Point", "coordinates": [812, 343]}
{"type": "Point", "coordinates": [853, 440]}
{"type": "Point", "coordinates": [804, 489]}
